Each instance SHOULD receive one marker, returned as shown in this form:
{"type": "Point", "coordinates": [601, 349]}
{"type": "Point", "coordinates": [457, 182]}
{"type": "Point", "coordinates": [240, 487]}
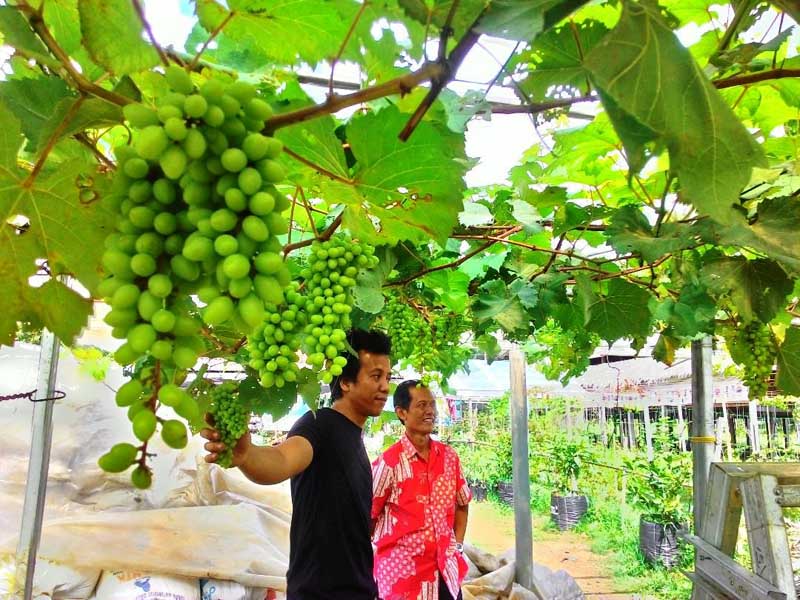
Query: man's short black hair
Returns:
{"type": "Point", "coordinates": [372, 341]}
{"type": "Point", "coordinates": [402, 394]}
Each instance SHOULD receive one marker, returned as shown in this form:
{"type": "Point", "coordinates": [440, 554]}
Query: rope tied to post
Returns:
{"type": "Point", "coordinates": [703, 439]}
{"type": "Point", "coordinates": [57, 395]}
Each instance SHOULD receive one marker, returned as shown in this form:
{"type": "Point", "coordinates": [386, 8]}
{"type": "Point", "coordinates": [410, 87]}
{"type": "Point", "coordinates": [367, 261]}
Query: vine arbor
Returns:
{"type": "Point", "coordinates": [240, 219]}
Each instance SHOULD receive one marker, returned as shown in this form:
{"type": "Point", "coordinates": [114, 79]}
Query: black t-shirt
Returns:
{"type": "Point", "coordinates": [330, 553]}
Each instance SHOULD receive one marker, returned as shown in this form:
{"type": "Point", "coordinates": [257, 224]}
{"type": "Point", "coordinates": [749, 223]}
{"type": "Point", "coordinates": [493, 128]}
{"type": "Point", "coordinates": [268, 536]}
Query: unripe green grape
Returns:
{"type": "Point", "coordinates": [247, 246]}
{"type": "Point", "coordinates": [230, 105]}
{"type": "Point", "coordinates": [125, 296]}
{"type": "Point", "coordinates": [218, 311]}
{"type": "Point", "coordinates": [109, 286]}
{"type": "Point", "coordinates": [151, 142]}
{"type": "Point", "coordinates": [217, 144]}
{"type": "Point", "coordinates": [143, 265]}
{"type": "Point", "coordinates": [195, 106]}
{"type": "Point", "coordinates": [268, 263]}
{"type": "Point", "coordinates": [120, 317]}
{"type": "Point", "coordinates": [225, 245]}
{"type": "Point", "coordinates": [188, 409]}
{"type": "Point", "coordinates": [271, 170]}
{"type": "Point", "coordinates": [141, 337]}
{"type": "Point", "coordinates": [236, 266]}
{"type": "Point", "coordinates": [136, 168]}
{"type": "Point", "coordinates": [185, 326]}
{"type": "Point", "coordinates": [184, 357]}
{"type": "Point", "coordinates": [173, 432]}
{"type": "Point", "coordinates": [255, 228]}
{"type": "Point", "coordinates": [161, 350]}
{"type": "Point", "coordinates": [165, 223]}
{"type": "Point", "coordinates": [129, 392]}
{"type": "Point", "coordinates": [223, 220]}
{"type": "Point", "coordinates": [195, 143]}
{"type": "Point", "coordinates": [235, 130]}
{"type": "Point", "coordinates": [126, 355]}
{"type": "Point", "coordinates": [184, 268]}
{"type": "Point", "coordinates": [274, 148]}
{"type": "Point", "coordinates": [142, 217]}
{"type": "Point", "coordinates": [249, 181]}
{"type": "Point", "coordinates": [178, 79]}
{"type": "Point", "coordinates": [255, 146]}
{"type": "Point", "coordinates": [241, 90]}
{"type": "Point", "coordinates": [198, 248]}
{"type": "Point", "coordinates": [261, 203]}
{"type": "Point", "coordinates": [207, 293]}
{"type": "Point", "coordinates": [116, 462]}
{"type": "Point", "coordinates": [175, 129]}
{"type": "Point", "coordinates": [141, 477]}
{"type": "Point", "coordinates": [144, 425]}
{"type": "Point", "coordinates": [241, 287]}
{"type": "Point", "coordinates": [163, 321]}
{"type": "Point", "coordinates": [164, 191]}
{"type": "Point", "coordinates": [234, 160]}
{"type": "Point", "coordinates": [214, 116]}
{"type": "Point", "coordinates": [277, 224]}
{"type": "Point", "coordinates": [235, 199]}
{"type": "Point", "coordinates": [212, 90]}
{"type": "Point", "coordinates": [173, 162]}
{"type": "Point", "coordinates": [139, 116]}
{"type": "Point", "coordinates": [149, 243]}
{"type": "Point", "coordinates": [159, 285]}
{"type": "Point", "coordinates": [268, 289]}
{"type": "Point", "coordinates": [258, 109]}
{"type": "Point", "coordinates": [251, 309]}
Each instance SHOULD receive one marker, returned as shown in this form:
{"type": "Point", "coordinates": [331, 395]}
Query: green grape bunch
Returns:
{"type": "Point", "coordinates": [141, 401]}
{"type": "Point", "coordinates": [404, 325]}
{"type": "Point", "coordinates": [197, 213]}
{"type": "Point", "coordinates": [274, 344]}
{"type": "Point", "coordinates": [231, 419]}
{"type": "Point", "coordinates": [329, 278]}
{"type": "Point", "coordinates": [756, 349]}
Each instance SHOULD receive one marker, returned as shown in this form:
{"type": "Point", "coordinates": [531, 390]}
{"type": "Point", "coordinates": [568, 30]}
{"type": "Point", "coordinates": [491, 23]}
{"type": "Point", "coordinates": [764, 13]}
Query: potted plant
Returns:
{"type": "Point", "coordinates": [567, 505]}
{"type": "Point", "coordinates": [502, 478]}
{"type": "Point", "coordinates": [657, 488]}
{"type": "Point", "coordinates": [478, 466]}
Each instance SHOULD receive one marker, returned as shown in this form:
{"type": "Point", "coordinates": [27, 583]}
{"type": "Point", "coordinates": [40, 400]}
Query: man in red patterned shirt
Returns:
{"type": "Point", "coordinates": [419, 507]}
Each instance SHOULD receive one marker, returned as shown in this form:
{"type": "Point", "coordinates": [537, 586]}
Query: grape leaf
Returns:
{"type": "Point", "coordinates": [435, 12]}
{"type": "Point", "coordinates": [758, 288]}
{"type": "Point", "coordinates": [630, 231]}
{"type": "Point", "coordinates": [789, 363]}
{"type": "Point", "coordinates": [32, 101]}
{"type": "Point", "coordinates": [487, 343]}
{"type": "Point", "coordinates": [112, 33]}
{"type": "Point", "coordinates": [710, 149]}
{"type": "Point", "coordinates": [367, 293]}
{"type": "Point", "coordinates": [494, 302]}
{"type": "Point", "coordinates": [283, 30]}
{"type": "Point", "coordinates": [475, 213]}
{"type": "Point", "coordinates": [621, 312]}
{"type": "Point", "coordinates": [45, 220]}
{"type": "Point", "coordinates": [401, 190]}
{"type": "Point", "coordinates": [309, 388]}
{"type": "Point", "coordinates": [556, 59]}
{"type": "Point", "coordinates": [18, 34]}
{"type": "Point", "coordinates": [276, 402]}
{"type": "Point", "coordinates": [93, 113]}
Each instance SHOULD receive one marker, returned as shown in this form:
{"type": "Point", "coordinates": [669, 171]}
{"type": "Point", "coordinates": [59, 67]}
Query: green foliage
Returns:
{"type": "Point", "coordinates": [657, 487]}
{"type": "Point", "coordinates": [567, 456]}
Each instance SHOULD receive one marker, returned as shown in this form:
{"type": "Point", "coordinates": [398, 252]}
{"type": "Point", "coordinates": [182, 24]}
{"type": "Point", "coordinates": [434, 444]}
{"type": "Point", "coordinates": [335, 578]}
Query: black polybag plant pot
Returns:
{"type": "Point", "coordinates": [479, 490]}
{"type": "Point", "coordinates": [659, 542]}
{"type": "Point", "coordinates": [505, 491]}
{"type": "Point", "coordinates": [566, 511]}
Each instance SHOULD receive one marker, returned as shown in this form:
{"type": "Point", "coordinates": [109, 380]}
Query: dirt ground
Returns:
{"type": "Point", "coordinates": [493, 531]}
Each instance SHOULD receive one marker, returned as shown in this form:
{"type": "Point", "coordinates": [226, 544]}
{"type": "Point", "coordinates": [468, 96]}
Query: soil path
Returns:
{"type": "Point", "coordinates": [493, 530]}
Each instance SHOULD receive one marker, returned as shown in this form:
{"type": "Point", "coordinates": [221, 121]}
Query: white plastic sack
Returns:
{"type": "Point", "coordinates": [133, 585]}
{"type": "Point", "coordinates": [51, 581]}
{"type": "Point", "coordinates": [217, 589]}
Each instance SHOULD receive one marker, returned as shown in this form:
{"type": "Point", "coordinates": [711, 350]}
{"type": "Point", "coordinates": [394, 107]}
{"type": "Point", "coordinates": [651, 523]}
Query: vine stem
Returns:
{"type": "Point", "coordinates": [37, 23]}
{"type": "Point", "coordinates": [137, 5]}
{"type": "Point", "coordinates": [307, 206]}
{"type": "Point", "coordinates": [344, 44]}
{"type": "Point", "coordinates": [316, 167]}
{"type": "Point", "coordinates": [324, 236]}
{"type": "Point", "coordinates": [400, 85]}
{"type": "Point", "coordinates": [51, 142]}
{"type": "Point", "coordinates": [291, 215]}
{"type": "Point", "coordinates": [217, 30]}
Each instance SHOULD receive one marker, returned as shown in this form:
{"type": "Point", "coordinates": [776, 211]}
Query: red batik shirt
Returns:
{"type": "Point", "coordinates": [414, 504]}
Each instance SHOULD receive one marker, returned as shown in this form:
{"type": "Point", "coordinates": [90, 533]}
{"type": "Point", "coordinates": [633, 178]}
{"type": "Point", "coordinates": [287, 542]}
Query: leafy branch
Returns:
{"type": "Point", "coordinates": [217, 30]}
{"type": "Point", "coordinates": [322, 237]}
{"type": "Point", "coordinates": [344, 43]}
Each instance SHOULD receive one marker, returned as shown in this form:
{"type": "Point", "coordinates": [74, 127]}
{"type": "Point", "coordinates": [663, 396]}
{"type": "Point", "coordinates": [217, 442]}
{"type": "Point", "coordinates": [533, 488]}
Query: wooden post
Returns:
{"type": "Point", "coordinates": [719, 432]}
{"type": "Point", "coordinates": [648, 433]}
{"type": "Point", "coordinates": [522, 488]}
{"type": "Point", "coordinates": [702, 424]}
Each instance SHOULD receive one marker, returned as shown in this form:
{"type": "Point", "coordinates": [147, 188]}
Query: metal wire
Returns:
{"type": "Point", "coordinates": [57, 395]}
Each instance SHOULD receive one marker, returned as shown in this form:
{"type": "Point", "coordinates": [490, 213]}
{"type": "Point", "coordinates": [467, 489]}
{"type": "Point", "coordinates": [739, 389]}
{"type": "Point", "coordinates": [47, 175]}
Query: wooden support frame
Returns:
{"type": "Point", "coordinates": [759, 490]}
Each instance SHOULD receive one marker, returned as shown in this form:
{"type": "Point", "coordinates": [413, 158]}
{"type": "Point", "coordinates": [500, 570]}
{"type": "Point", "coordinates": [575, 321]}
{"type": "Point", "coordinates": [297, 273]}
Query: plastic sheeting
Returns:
{"type": "Point", "coordinates": [197, 520]}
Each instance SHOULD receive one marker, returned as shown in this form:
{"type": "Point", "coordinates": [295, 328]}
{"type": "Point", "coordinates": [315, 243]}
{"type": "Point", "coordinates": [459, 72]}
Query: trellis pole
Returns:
{"type": "Point", "coordinates": [39, 463]}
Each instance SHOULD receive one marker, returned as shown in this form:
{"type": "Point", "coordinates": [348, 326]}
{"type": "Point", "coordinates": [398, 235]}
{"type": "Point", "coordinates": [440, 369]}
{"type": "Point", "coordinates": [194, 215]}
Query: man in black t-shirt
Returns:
{"type": "Point", "coordinates": [330, 554]}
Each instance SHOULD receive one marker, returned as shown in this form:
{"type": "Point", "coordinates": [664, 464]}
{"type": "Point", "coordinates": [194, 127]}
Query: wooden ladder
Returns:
{"type": "Point", "coordinates": [762, 490]}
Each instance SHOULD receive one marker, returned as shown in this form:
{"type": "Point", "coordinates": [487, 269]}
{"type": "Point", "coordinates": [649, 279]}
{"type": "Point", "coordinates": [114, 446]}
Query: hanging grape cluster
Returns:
{"type": "Point", "coordinates": [231, 419]}
{"type": "Point", "coordinates": [756, 350]}
{"type": "Point", "coordinates": [197, 214]}
{"type": "Point", "coordinates": [431, 345]}
{"type": "Point", "coordinates": [139, 397]}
